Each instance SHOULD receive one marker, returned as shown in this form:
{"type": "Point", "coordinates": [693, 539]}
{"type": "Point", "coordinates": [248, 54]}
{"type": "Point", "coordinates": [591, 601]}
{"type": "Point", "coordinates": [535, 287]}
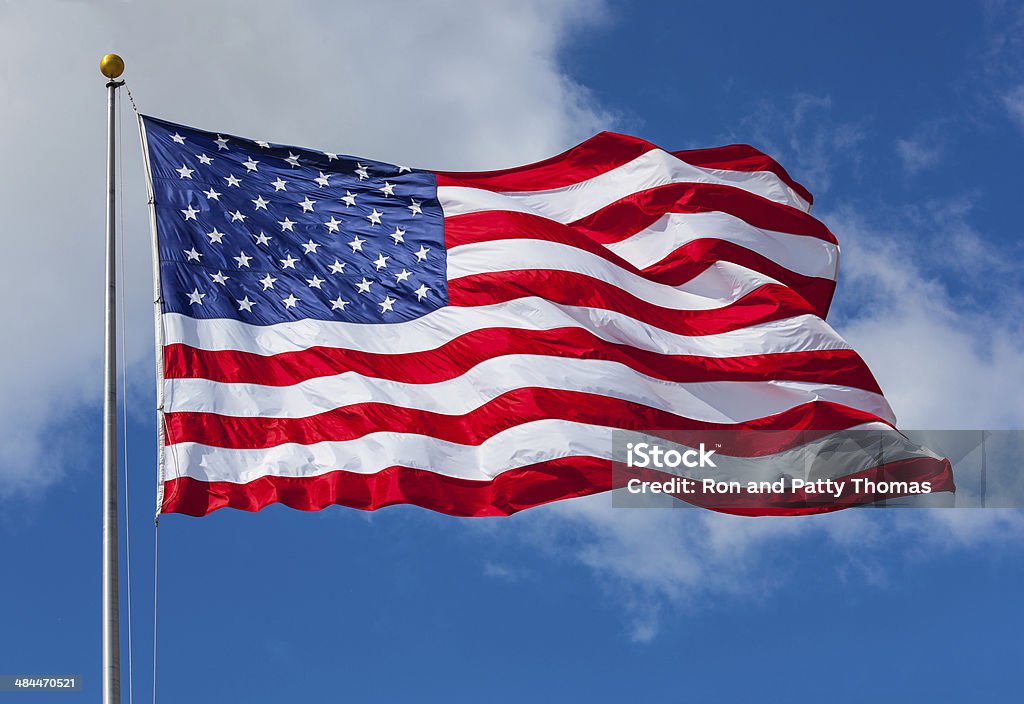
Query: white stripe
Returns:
{"type": "Point", "coordinates": [712, 402]}
{"type": "Point", "coordinates": [763, 183]}
{"type": "Point", "coordinates": [518, 446]}
{"type": "Point", "coordinates": [717, 286]}
{"type": "Point", "coordinates": [515, 447]}
{"type": "Point", "coordinates": [797, 334]}
{"type": "Point", "coordinates": [800, 254]}
{"type": "Point", "coordinates": [570, 203]}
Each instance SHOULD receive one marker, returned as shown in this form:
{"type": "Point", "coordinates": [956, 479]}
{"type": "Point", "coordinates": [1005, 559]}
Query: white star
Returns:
{"type": "Point", "coordinates": [356, 244]}
{"type": "Point", "coordinates": [204, 160]}
{"type": "Point", "coordinates": [250, 165]}
{"type": "Point", "coordinates": [278, 184]}
{"type": "Point", "coordinates": [216, 236]}
{"type": "Point", "coordinates": [404, 168]}
{"type": "Point", "coordinates": [237, 216]}
{"type": "Point", "coordinates": [185, 172]}
{"type": "Point", "coordinates": [338, 304]}
{"type": "Point", "coordinates": [364, 286]}
{"type": "Point", "coordinates": [388, 189]}
{"type": "Point", "coordinates": [178, 138]}
{"type": "Point", "coordinates": [361, 171]}
{"type": "Point", "coordinates": [374, 217]}
{"type": "Point", "coordinates": [307, 205]}
{"type": "Point", "coordinates": [422, 292]}
{"type": "Point", "coordinates": [322, 180]}
{"type": "Point", "coordinates": [267, 281]}
{"type": "Point", "coordinates": [293, 159]}
{"type": "Point", "coordinates": [288, 262]}
{"type": "Point", "coordinates": [415, 207]}
{"type": "Point", "coordinates": [190, 212]}
{"type": "Point", "coordinates": [242, 259]}
{"type": "Point", "coordinates": [286, 224]}
{"type": "Point", "coordinates": [260, 203]}
{"type": "Point", "coordinates": [245, 304]}
{"type": "Point", "coordinates": [331, 156]}
{"type": "Point", "coordinates": [221, 143]}
{"type": "Point", "coordinates": [421, 255]}
{"type": "Point", "coordinates": [290, 301]}
{"type": "Point", "coordinates": [349, 198]}
{"type": "Point", "coordinates": [381, 262]}
{"type": "Point", "coordinates": [262, 239]}
{"type": "Point", "coordinates": [219, 278]}
{"type": "Point", "coordinates": [332, 224]}
{"type": "Point", "coordinates": [212, 194]}
{"type": "Point", "coordinates": [398, 235]}
{"type": "Point", "coordinates": [232, 181]}
{"type": "Point", "coordinates": [402, 275]}
{"type": "Point", "coordinates": [315, 281]}
{"type": "Point", "coordinates": [310, 247]}
{"type": "Point", "coordinates": [387, 304]}
{"type": "Point", "coordinates": [262, 144]}
{"type": "Point", "coordinates": [337, 267]}
{"type": "Point", "coordinates": [196, 297]}
{"type": "Point", "coordinates": [192, 254]}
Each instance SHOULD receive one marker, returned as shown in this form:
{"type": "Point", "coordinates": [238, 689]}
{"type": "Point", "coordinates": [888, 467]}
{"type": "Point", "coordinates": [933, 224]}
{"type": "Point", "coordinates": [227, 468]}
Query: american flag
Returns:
{"type": "Point", "coordinates": [337, 330]}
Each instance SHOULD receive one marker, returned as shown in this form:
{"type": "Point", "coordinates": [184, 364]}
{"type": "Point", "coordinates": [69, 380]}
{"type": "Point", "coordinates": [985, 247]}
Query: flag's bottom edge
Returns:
{"type": "Point", "coordinates": [508, 493]}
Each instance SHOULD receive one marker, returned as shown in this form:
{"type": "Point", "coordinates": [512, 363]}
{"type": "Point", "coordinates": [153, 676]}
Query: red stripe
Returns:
{"type": "Point", "coordinates": [843, 367]}
{"type": "Point", "coordinates": [604, 152]}
{"type": "Point", "coordinates": [742, 157]}
{"type": "Point", "coordinates": [498, 225]}
{"type": "Point", "coordinates": [599, 154]}
{"type": "Point", "coordinates": [694, 257]}
{"type": "Point", "coordinates": [637, 211]}
{"type": "Point", "coordinates": [506, 494]}
{"type": "Point", "coordinates": [678, 267]}
{"type": "Point", "coordinates": [506, 411]}
{"type": "Point", "coordinates": [763, 304]}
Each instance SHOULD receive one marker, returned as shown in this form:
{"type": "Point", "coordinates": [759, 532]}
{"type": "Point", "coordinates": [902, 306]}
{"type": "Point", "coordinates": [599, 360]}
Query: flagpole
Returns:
{"type": "Point", "coordinates": [111, 66]}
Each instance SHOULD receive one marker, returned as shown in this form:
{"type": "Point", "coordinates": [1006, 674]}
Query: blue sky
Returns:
{"type": "Point", "coordinates": [908, 125]}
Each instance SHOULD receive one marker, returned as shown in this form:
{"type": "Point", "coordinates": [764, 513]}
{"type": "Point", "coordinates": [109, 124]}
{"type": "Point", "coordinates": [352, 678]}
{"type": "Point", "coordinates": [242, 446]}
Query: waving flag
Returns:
{"type": "Point", "coordinates": [337, 330]}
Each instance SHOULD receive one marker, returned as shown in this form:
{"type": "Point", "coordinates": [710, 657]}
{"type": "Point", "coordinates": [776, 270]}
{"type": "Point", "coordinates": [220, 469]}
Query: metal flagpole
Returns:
{"type": "Point", "coordinates": [111, 66]}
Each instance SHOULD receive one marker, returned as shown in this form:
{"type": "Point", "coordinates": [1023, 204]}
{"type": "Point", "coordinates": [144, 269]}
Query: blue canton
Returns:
{"type": "Point", "coordinates": [265, 233]}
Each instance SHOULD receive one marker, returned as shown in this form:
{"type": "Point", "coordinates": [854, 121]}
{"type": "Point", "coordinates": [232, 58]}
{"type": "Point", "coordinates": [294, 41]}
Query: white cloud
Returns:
{"type": "Point", "coordinates": [654, 563]}
{"type": "Point", "coordinates": [445, 85]}
{"type": "Point", "coordinates": [918, 153]}
{"type": "Point", "coordinates": [805, 137]}
{"type": "Point", "coordinates": [997, 82]}
{"type": "Point", "coordinates": [504, 572]}
{"type": "Point", "coordinates": [1013, 101]}
{"type": "Point", "coordinates": [943, 359]}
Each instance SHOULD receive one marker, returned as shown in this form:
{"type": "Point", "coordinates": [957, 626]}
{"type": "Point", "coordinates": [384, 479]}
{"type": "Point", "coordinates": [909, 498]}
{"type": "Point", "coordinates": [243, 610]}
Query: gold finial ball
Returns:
{"type": "Point", "coordinates": [111, 66]}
